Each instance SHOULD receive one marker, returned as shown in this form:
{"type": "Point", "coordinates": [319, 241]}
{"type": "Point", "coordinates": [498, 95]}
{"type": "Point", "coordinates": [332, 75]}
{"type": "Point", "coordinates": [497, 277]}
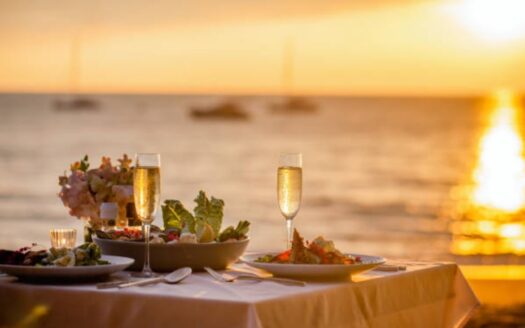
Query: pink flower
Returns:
{"type": "Point", "coordinates": [84, 190]}
{"type": "Point", "coordinates": [106, 170]}
{"type": "Point", "coordinates": [123, 194]}
{"type": "Point", "coordinates": [76, 196]}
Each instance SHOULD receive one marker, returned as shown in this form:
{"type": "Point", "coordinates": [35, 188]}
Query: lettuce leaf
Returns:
{"type": "Point", "coordinates": [240, 232]}
{"type": "Point", "coordinates": [209, 211]}
{"type": "Point", "coordinates": [176, 216]}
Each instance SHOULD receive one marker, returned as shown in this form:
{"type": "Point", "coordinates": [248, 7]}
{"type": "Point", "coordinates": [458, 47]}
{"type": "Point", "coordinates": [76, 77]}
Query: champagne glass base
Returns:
{"type": "Point", "coordinates": [145, 274]}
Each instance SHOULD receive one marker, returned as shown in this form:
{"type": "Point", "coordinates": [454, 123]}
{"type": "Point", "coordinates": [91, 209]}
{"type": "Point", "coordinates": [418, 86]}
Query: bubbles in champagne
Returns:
{"type": "Point", "coordinates": [146, 191]}
{"type": "Point", "coordinates": [289, 189]}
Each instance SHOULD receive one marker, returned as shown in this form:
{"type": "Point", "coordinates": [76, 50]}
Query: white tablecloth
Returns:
{"type": "Point", "coordinates": [426, 295]}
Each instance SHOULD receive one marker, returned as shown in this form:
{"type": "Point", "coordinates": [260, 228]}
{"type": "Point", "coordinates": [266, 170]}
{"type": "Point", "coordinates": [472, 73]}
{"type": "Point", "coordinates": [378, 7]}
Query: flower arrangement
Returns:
{"type": "Point", "coordinates": [84, 189]}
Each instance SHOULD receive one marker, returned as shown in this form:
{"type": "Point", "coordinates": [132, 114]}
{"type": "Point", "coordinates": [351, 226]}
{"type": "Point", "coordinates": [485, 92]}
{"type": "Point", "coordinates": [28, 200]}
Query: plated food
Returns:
{"type": "Point", "coordinates": [82, 262]}
{"type": "Point", "coordinates": [319, 251]}
{"type": "Point", "coordinates": [187, 239]}
{"type": "Point", "coordinates": [316, 260]}
{"type": "Point", "coordinates": [83, 255]}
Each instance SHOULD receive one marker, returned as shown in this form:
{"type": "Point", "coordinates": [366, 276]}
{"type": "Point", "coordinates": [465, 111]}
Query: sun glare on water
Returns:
{"type": "Point", "coordinates": [500, 175]}
{"type": "Point", "coordinates": [490, 221]}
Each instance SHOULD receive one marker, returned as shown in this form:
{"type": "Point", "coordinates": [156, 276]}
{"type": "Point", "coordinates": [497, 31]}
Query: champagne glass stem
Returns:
{"type": "Point", "coordinates": [146, 270]}
{"type": "Point", "coordinates": [289, 232]}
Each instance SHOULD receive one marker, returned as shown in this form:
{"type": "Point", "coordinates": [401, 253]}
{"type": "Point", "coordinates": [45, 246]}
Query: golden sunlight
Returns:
{"type": "Point", "coordinates": [500, 175]}
{"type": "Point", "coordinates": [489, 219]}
{"type": "Point", "coordinates": [496, 20]}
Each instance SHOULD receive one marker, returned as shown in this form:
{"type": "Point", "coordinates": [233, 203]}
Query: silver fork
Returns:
{"type": "Point", "coordinates": [224, 277]}
{"type": "Point", "coordinates": [390, 268]}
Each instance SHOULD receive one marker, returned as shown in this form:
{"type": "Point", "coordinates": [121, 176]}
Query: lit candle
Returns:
{"type": "Point", "coordinates": [63, 238]}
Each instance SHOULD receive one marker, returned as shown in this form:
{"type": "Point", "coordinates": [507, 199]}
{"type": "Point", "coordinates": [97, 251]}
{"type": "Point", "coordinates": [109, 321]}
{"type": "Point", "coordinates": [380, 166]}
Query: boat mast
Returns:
{"type": "Point", "coordinates": [288, 67]}
{"type": "Point", "coordinates": [74, 65]}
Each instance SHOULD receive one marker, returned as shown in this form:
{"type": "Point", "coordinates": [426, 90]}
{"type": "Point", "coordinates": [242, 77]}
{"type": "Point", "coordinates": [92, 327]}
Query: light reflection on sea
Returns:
{"type": "Point", "coordinates": [376, 171]}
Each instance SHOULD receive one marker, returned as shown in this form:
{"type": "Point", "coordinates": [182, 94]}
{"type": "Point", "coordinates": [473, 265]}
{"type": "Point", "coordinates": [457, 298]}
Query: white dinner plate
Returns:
{"type": "Point", "coordinates": [116, 264]}
{"type": "Point", "coordinates": [320, 271]}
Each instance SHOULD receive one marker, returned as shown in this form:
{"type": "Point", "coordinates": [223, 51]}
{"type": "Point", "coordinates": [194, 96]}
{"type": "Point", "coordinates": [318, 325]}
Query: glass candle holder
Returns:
{"type": "Point", "coordinates": [63, 238]}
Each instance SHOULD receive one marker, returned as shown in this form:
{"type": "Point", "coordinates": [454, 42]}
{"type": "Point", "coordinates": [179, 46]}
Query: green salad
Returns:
{"type": "Point", "coordinates": [204, 224]}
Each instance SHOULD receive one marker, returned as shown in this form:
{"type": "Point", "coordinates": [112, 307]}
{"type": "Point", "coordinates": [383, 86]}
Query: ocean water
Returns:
{"type": "Point", "coordinates": [377, 171]}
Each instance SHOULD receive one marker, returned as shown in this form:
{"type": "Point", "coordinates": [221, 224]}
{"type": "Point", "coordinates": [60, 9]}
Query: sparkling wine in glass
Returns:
{"type": "Point", "coordinates": [289, 189]}
{"type": "Point", "coordinates": [146, 193]}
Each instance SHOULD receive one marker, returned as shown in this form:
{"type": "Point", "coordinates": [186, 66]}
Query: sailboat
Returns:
{"type": "Point", "coordinates": [226, 110]}
{"type": "Point", "coordinates": [291, 104]}
{"type": "Point", "coordinates": [73, 101]}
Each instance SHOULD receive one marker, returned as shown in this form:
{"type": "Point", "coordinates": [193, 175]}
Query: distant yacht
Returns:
{"type": "Point", "coordinates": [76, 103]}
{"type": "Point", "coordinates": [291, 104]}
{"type": "Point", "coordinates": [227, 110]}
{"type": "Point", "coordinates": [73, 101]}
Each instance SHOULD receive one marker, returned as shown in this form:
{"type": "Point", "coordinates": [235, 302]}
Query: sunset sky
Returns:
{"type": "Point", "coordinates": [236, 46]}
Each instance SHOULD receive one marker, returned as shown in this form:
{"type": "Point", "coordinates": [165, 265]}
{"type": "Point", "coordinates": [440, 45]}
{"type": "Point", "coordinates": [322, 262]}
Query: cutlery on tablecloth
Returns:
{"type": "Point", "coordinates": [224, 277]}
{"type": "Point", "coordinates": [171, 278]}
{"type": "Point", "coordinates": [390, 268]}
{"type": "Point", "coordinates": [112, 284]}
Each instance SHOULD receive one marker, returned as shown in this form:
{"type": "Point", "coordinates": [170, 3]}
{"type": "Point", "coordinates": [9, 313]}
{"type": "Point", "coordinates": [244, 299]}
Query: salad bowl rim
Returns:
{"type": "Point", "coordinates": [178, 244]}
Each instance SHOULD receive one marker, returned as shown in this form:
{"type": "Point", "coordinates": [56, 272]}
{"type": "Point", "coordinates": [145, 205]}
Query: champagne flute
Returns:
{"type": "Point", "coordinates": [146, 193]}
{"type": "Point", "coordinates": [289, 189]}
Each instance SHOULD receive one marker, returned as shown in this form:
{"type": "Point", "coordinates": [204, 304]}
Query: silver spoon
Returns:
{"type": "Point", "coordinates": [171, 278]}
